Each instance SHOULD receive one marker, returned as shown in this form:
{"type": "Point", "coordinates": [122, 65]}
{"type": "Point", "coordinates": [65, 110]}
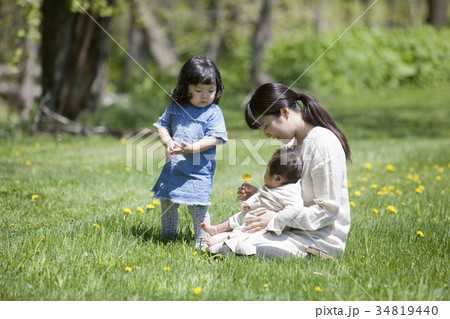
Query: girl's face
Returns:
{"type": "Point", "coordinates": [202, 95]}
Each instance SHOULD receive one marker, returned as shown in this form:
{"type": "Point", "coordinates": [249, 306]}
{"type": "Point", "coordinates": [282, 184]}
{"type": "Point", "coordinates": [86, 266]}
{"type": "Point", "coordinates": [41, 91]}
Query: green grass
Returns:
{"type": "Point", "coordinates": [83, 181]}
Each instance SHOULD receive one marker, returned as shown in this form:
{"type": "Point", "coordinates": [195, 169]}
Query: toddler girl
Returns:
{"type": "Point", "coordinates": [190, 128]}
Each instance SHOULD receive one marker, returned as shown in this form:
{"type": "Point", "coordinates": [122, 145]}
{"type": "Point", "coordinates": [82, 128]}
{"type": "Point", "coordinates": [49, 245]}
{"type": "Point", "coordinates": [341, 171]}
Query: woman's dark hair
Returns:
{"type": "Point", "coordinates": [287, 163]}
{"type": "Point", "coordinates": [270, 98]}
{"type": "Point", "coordinates": [197, 70]}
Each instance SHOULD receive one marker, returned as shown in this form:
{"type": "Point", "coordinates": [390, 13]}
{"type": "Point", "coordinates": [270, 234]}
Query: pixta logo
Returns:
{"type": "Point", "coordinates": [141, 150]}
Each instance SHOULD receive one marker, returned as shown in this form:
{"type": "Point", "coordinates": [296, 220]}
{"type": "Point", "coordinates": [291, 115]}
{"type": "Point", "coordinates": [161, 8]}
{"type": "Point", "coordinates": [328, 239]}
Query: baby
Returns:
{"type": "Point", "coordinates": [282, 188]}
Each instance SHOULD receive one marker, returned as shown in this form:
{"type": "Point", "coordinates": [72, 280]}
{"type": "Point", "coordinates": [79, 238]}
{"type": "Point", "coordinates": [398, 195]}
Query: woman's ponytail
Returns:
{"type": "Point", "coordinates": [314, 113]}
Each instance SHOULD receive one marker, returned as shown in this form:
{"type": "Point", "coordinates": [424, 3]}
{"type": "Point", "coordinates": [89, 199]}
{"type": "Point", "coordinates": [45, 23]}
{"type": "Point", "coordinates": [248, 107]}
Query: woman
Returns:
{"type": "Point", "coordinates": [324, 221]}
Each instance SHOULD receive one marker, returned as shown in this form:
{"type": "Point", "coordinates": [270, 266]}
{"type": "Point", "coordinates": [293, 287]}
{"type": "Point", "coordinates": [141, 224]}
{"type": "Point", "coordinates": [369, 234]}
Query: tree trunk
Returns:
{"type": "Point", "coordinates": [73, 50]}
{"type": "Point", "coordinates": [29, 89]}
{"type": "Point", "coordinates": [158, 40]}
{"type": "Point", "coordinates": [437, 13]}
{"type": "Point", "coordinates": [260, 37]}
{"type": "Point", "coordinates": [217, 20]}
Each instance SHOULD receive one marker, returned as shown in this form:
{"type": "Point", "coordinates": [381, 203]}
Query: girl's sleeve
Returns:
{"type": "Point", "coordinates": [327, 180]}
{"type": "Point", "coordinates": [164, 120]}
{"type": "Point", "coordinates": [216, 126]}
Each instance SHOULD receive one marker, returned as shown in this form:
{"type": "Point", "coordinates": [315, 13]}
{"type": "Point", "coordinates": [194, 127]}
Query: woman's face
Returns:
{"type": "Point", "coordinates": [276, 127]}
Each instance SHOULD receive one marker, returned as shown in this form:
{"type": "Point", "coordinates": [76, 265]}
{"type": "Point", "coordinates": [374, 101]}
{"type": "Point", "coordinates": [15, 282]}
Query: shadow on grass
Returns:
{"type": "Point", "coordinates": [152, 234]}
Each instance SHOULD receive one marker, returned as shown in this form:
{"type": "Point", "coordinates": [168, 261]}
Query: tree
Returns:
{"type": "Point", "coordinates": [73, 53]}
{"type": "Point", "coordinates": [437, 13]}
{"type": "Point", "coordinates": [260, 37]}
{"type": "Point", "coordinates": [161, 48]}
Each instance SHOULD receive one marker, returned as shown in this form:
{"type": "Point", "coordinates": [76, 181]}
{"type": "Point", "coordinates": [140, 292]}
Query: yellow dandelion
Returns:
{"type": "Point", "coordinates": [421, 187]}
{"type": "Point", "coordinates": [96, 225]}
{"type": "Point", "coordinates": [398, 192]}
{"type": "Point", "coordinates": [27, 163]}
{"type": "Point", "coordinates": [374, 186]}
{"type": "Point", "coordinates": [17, 153]}
{"type": "Point", "coordinates": [167, 269]}
{"type": "Point", "coordinates": [265, 285]}
{"type": "Point", "coordinates": [438, 178]}
{"type": "Point", "coordinates": [42, 238]}
{"type": "Point", "coordinates": [128, 169]}
{"type": "Point", "coordinates": [410, 177]}
{"type": "Point", "coordinates": [155, 202]}
{"type": "Point", "coordinates": [349, 184]}
{"type": "Point", "coordinates": [318, 289]}
{"type": "Point", "coordinates": [140, 209]}
{"type": "Point", "coordinates": [419, 233]}
{"type": "Point", "coordinates": [419, 190]}
{"type": "Point", "coordinates": [352, 204]}
{"type": "Point", "coordinates": [107, 172]}
{"type": "Point", "coordinates": [12, 225]}
{"type": "Point", "coordinates": [364, 179]}
{"type": "Point", "coordinates": [197, 290]}
{"type": "Point", "coordinates": [368, 166]}
{"type": "Point", "coordinates": [392, 209]}
{"type": "Point", "coordinates": [375, 211]}
{"type": "Point", "coordinates": [128, 268]}
{"type": "Point", "coordinates": [150, 206]}
{"type": "Point", "coordinates": [192, 231]}
{"type": "Point", "coordinates": [445, 286]}
{"type": "Point", "coordinates": [403, 203]}
{"type": "Point", "coordinates": [390, 167]}
{"type": "Point", "coordinates": [123, 140]}
{"type": "Point", "coordinates": [35, 196]}
{"type": "Point", "coordinates": [229, 192]}
{"type": "Point", "coordinates": [128, 211]}
{"type": "Point", "coordinates": [362, 189]}
{"type": "Point", "coordinates": [246, 177]}
{"type": "Point", "coordinates": [357, 193]}
{"type": "Point", "coordinates": [194, 253]}
{"type": "Point", "coordinates": [441, 170]}
{"type": "Point", "coordinates": [391, 188]}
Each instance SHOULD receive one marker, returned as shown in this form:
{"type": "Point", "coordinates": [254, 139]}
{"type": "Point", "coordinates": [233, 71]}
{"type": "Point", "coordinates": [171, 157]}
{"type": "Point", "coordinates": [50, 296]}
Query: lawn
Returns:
{"type": "Point", "coordinates": [77, 225]}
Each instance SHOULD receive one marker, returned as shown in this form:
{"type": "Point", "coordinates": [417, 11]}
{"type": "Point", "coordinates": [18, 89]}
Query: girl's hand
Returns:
{"type": "Point", "coordinates": [185, 148]}
{"type": "Point", "coordinates": [259, 222]}
{"type": "Point", "coordinates": [171, 148]}
{"type": "Point", "coordinates": [245, 191]}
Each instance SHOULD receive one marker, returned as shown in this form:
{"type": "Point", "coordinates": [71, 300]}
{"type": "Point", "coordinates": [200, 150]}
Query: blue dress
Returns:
{"type": "Point", "coordinates": [187, 179]}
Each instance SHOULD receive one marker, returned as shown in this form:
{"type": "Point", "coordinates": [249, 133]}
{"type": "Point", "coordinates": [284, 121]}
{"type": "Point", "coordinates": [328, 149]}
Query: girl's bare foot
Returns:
{"type": "Point", "coordinates": [210, 229]}
{"type": "Point", "coordinates": [210, 241]}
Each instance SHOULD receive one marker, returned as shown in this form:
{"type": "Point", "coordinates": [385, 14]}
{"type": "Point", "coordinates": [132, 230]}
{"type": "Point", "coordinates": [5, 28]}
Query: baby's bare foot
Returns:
{"type": "Point", "coordinates": [210, 241]}
{"type": "Point", "coordinates": [210, 229]}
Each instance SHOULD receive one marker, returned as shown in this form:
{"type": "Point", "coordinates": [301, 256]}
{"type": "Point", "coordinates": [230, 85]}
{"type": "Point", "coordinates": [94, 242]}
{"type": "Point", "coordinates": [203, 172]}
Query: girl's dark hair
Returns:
{"type": "Point", "coordinates": [287, 163]}
{"type": "Point", "coordinates": [197, 70]}
{"type": "Point", "coordinates": [270, 98]}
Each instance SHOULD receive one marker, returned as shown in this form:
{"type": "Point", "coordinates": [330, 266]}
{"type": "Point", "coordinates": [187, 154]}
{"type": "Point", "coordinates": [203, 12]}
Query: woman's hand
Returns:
{"type": "Point", "coordinates": [245, 191]}
{"type": "Point", "coordinates": [259, 222]}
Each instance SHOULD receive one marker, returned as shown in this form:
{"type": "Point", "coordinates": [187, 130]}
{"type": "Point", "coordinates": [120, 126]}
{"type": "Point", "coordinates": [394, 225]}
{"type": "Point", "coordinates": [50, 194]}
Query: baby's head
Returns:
{"type": "Point", "coordinates": [199, 82]}
{"type": "Point", "coordinates": [284, 167]}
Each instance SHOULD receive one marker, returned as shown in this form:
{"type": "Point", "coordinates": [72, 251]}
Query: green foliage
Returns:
{"type": "Point", "coordinates": [363, 59]}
